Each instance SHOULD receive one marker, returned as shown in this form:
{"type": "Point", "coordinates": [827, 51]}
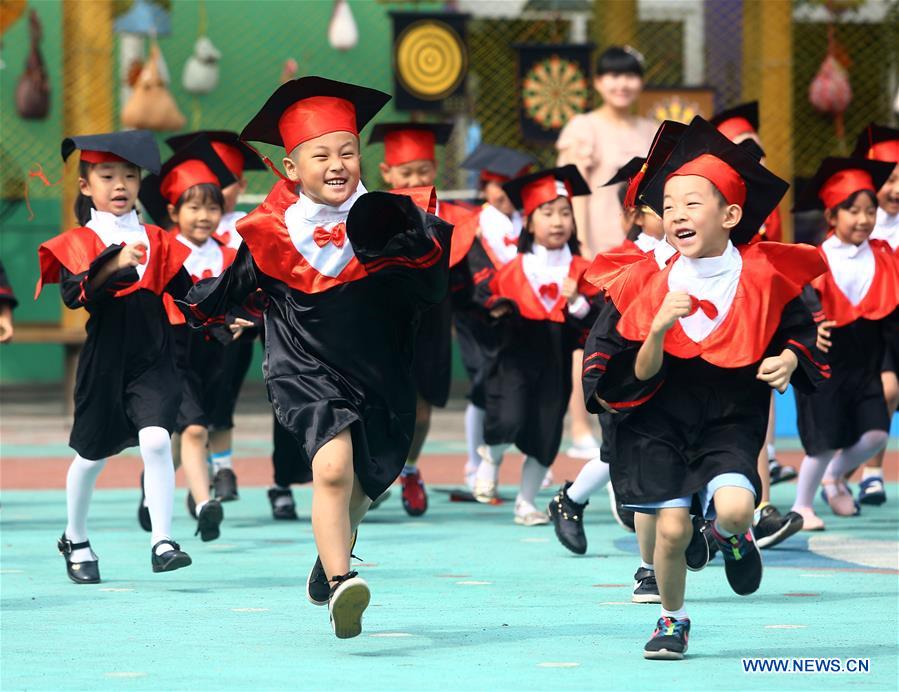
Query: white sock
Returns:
{"type": "Point", "coordinates": [647, 565]}
{"type": "Point", "coordinates": [849, 459]}
{"type": "Point", "coordinates": [593, 476]}
{"type": "Point", "coordinates": [680, 614]}
{"type": "Point", "coordinates": [872, 472]}
{"type": "Point", "coordinates": [159, 479]}
{"type": "Point", "coordinates": [474, 434]}
{"type": "Point", "coordinates": [721, 532]}
{"type": "Point", "coordinates": [200, 506]}
{"type": "Point", "coordinates": [772, 452]}
{"type": "Point", "coordinates": [80, 481]}
{"type": "Point", "coordinates": [220, 460]}
{"type": "Point", "coordinates": [532, 473]}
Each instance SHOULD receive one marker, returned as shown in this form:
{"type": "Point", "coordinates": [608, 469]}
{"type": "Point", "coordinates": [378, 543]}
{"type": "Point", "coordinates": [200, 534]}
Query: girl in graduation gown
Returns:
{"type": "Point", "coordinates": [685, 356]}
{"type": "Point", "coordinates": [347, 275]}
{"type": "Point", "coordinates": [238, 158]}
{"type": "Point", "coordinates": [127, 390]}
{"type": "Point", "coordinates": [188, 192]}
{"type": "Point", "coordinates": [545, 305]}
{"type": "Point", "coordinates": [881, 143]}
{"type": "Point", "coordinates": [845, 422]}
{"type": "Point", "coordinates": [487, 239]}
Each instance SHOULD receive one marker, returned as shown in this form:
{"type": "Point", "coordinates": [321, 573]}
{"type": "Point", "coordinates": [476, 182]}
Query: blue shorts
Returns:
{"type": "Point", "coordinates": [706, 494]}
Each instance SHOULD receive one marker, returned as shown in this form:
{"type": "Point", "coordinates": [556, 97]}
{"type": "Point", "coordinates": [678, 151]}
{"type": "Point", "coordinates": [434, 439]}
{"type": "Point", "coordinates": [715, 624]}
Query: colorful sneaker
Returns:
{"type": "Point", "coordinates": [669, 641]}
{"type": "Point", "coordinates": [348, 600]}
{"type": "Point", "coordinates": [623, 516]}
{"type": "Point", "coordinates": [779, 473]}
{"type": "Point", "coordinates": [415, 499]}
{"type": "Point", "coordinates": [742, 561]}
{"type": "Point", "coordinates": [568, 519]}
{"type": "Point", "coordinates": [699, 551]}
{"type": "Point", "coordinates": [646, 589]}
{"type": "Point", "coordinates": [528, 515]}
{"type": "Point", "coordinates": [871, 491]}
{"type": "Point", "coordinates": [772, 528]}
{"type": "Point", "coordinates": [838, 496]}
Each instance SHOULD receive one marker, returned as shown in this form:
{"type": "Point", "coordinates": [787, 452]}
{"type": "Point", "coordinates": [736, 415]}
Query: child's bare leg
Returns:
{"type": "Point", "coordinates": [193, 457]}
{"type": "Point", "coordinates": [673, 532]}
{"type": "Point", "coordinates": [734, 507]}
{"type": "Point", "coordinates": [764, 470]}
{"type": "Point", "coordinates": [359, 504]}
{"type": "Point", "coordinates": [422, 426]}
{"type": "Point", "coordinates": [645, 527]}
{"type": "Point", "coordinates": [333, 481]}
{"type": "Point", "coordinates": [220, 441]}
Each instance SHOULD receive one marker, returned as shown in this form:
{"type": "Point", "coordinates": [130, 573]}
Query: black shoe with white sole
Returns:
{"type": "Point", "coordinates": [318, 590]}
{"type": "Point", "coordinates": [772, 528]}
{"type": "Point", "coordinates": [669, 640]}
{"type": "Point", "coordinates": [348, 600]}
{"type": "Point", "coordinates": [698, 552]}
{"type": "Point", "coordinates": [646, 589]}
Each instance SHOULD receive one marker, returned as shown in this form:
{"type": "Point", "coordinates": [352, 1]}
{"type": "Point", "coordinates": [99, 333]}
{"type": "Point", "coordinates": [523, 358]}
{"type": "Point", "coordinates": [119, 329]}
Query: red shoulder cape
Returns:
{"type": "Point", "coordinates": [880, 300]}
{"type": "Point", "coordinates": [773, 274]}
{"type": "Point", "coordinates": [175, 315]}
{"type": "Point", "coordinates": [76, 248]}
{"type": "Point", "coordinates": [511, 282]}
{"type": "Point", "coordinates": [461, 216]}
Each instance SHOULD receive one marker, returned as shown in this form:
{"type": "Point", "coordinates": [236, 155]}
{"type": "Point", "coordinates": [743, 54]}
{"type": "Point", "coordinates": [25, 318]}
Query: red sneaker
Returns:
{"type": "Point", "coordinates": [415, 499]}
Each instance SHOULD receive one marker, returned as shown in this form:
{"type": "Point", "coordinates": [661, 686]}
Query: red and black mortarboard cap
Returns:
{"type": "Point", "coordinates": [130, 146]}
{"type": "Point", "coordinates": [638, 170]}
{"type": "Point", "coordinates": [705, 152]}
{"type": "Point", "coordinates": [838, 179]}
{"type": "Point", "coordinates": [196, 163]}
{"type": "Point", "coordinates": [405, 142]}
{"type": "Point", "coordinates": [236, 155]}
{"type": "Point", "coordinates": [499, 164]}
{"type": "Point", "coordinates": [309, 107]}
{"type": "Point", "coordinates": [739, 120]}
{"type": "Point", "coordinates": [879, 143]}
{"type": "Point", "coordinates": [530, 191]}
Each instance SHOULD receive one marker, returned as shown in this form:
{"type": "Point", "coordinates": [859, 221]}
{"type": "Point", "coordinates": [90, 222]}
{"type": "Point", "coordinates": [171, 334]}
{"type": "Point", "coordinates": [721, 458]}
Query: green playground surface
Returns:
{"type": "Point", "coordinates": [462, 599]}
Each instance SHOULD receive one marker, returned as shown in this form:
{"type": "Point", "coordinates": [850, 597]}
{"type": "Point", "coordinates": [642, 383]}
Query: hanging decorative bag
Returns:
{"type": "Point", "coordinates": [151, 105]}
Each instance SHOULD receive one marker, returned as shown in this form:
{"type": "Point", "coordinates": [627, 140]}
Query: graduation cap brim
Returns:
{"type": "Point", "coordinates": [136, 146]}
{"type": "Point", "coordinates": [251, 159]}
{"type": "Point", "coordinates": [198, 148]}
{"type": "Point", "coordinates": [808, 199]}
{"type": "Point", "coordinates": [748, 111]}
{"type": "Point", "coordinates": [569, 173]}
{"type": "Point", "coordinates": [441, 131]}
{"type": "Point", "coordinates": [871, 135]}
{"type": "Point", "coordinates": [498, 160]}
{"type": "Point", "coordinates": [626, 172]}
{"type": "Point", "coordinates": [751, 146]}
{"type": "Point", "coordinates": [763, 189]}
{"type": "Point", "coordinates": [263, 127]}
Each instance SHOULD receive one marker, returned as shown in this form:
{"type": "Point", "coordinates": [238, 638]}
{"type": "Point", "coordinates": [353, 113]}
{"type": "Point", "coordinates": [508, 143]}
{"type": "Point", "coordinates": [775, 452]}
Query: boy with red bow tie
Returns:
{"type": "Point", "coordinates": [684, 357]}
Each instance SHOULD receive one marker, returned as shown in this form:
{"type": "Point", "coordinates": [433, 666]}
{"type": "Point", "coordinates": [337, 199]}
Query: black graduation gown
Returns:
{"type": "Point", "coordinates": [338, 351]}
{"type": "Point", "coordinates": [528, 383]}
{"type": "Point", "coordinates": [7, 295]}
{"type": "Point", "coordinates": [697, 418]}
{"type": "Point", "coordinates": [126, 378]}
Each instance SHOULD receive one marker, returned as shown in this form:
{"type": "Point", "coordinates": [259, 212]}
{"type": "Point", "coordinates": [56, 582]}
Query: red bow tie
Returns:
{"type": "Point", "coordinates": [336, 235]}
{"type": "Point", "coordinates": [707, 307]}
{"type": "Point", "coordinates": [225, 237]}
{"type": "Point", "coordinates": [550, 291]}
{"type": "Point", "coordinates": [143, 249]}
{"type": "Point", "coordinates": [510, 241]}
{"type": "Point", "coordinates": [207, 274]}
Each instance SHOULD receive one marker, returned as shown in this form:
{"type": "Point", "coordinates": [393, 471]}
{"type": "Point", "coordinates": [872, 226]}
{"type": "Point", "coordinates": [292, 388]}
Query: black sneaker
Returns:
{"type": "Point", "coordinates": [669, 641]}
{"type": "Point", "coordinates": [143, 512]}
{"type": "Point", "coordinates": [646, 589]}
{"type": "Point", "coordinates": [283, 506]}
{"type": "Point", "coordinates": [208, 521]}
{"type": "Point", "coordinates": [772, 528]}
{"type": "Point", "coordinates": [568, 519]}
{"type": "Point", "coordinates": [742, 561]}
{"type": "Point", "coordinates": [698, 552]}
{"type": "Point", "coordinates": [622, 515]}
{"type": "Point", "coordinates": [871, 491]}
{"type": "Point", "coordinates": [318, 589]}
{"type": "Point", "coordinates": [224, 486]}
{"type": "Point", "coordinates": [779, 473]}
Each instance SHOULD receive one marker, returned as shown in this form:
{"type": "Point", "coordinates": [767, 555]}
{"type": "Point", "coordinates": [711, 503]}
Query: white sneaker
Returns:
{"type": "Point", "coordinates": [528, 515]}
{"type": "Point", "coordinates": [346, 606]}
{"type": "Point", "coordinates": [584, 448]}
{"type": "Point", "coordinates": [485, 491]}
{"type": "Point", "coordinates": [471, 475]}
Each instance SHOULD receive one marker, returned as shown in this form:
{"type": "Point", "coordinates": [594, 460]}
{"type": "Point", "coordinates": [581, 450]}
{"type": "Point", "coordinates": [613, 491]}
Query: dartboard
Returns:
{"type": "Point", "coordinates": [431, 60]}
{"type": "Point", "coordinates": [554, 90]}
{"type": "Point", "coordinates": [675, 108]}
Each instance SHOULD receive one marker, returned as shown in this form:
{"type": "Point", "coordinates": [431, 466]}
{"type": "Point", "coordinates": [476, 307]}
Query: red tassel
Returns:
{"type": "Point", "coordinates": [630, 198]}
{"type": "Point", "coordinates": [40, 175]}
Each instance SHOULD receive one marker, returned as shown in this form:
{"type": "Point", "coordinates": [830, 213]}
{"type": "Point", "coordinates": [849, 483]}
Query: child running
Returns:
{"type": "Point", "coordinates": [347, 274]}
{"type": "Point", "coordinates": [127, 390]}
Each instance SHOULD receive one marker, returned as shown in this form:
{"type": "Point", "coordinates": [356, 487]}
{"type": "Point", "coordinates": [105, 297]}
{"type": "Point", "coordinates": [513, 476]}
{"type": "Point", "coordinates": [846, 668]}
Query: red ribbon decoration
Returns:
{"type": "Point", "coordinates": [707, 306]}
{"type": "Point", "coordinates": [510, 241]}
{"type": "Point", "coordinates": [550, 291]}
{"type": "Point", "coordinates": [336, 235]}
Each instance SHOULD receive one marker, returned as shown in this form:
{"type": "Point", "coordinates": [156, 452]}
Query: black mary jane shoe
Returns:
{"type": "Point", "coordinates": [79, 572]}
{"type": "Point", "coordinates": [208, 521]}
{"type": "Point", "coordinates": [170, 560]}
